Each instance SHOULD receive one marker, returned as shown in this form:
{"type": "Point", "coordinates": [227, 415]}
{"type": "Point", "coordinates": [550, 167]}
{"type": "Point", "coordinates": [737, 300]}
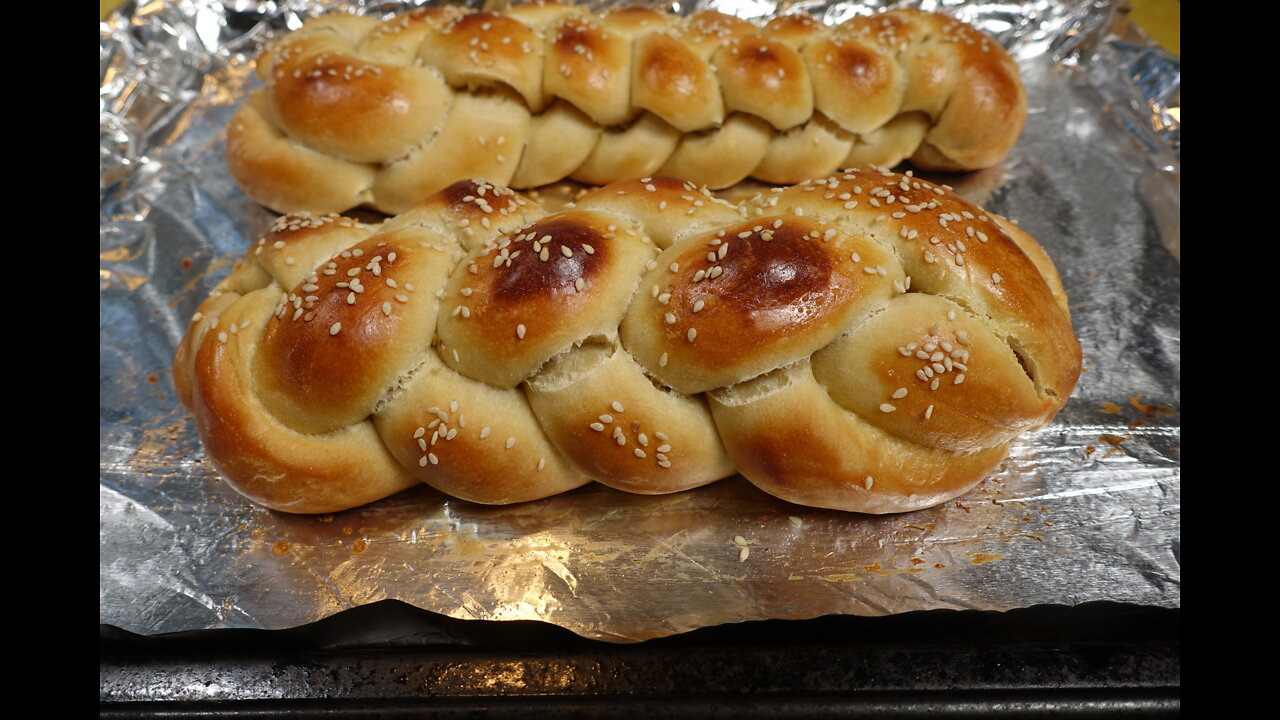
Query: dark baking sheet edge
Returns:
{"type": "Point", "coordinates": [391, 660]}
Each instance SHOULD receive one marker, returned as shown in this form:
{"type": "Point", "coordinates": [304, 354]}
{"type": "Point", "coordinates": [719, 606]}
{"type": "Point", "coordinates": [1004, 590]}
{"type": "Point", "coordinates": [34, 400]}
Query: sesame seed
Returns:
{"type": "Point", "coordinates": [886, 407]}
{"type": "Point", "coordinates": [598, 427]}
{"type": "Point", "coordinates": [520, 330]}
{"type": "Point", "coordinates": [900, 393]}
{"type": "Point", "coordinates": [693, 333]}
{"type": "Point", "coordinates": [617, 406]}
{"type": "Point", "coordinates": [510, 442]}
{"type": "Point", "coordinates": [869, 482]}
{"type": "Point", "coordinates": [606, 418]}
{"type": "Point", "coordinates": [335, 328]}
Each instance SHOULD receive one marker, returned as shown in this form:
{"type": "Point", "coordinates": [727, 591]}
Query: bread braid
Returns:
{"type": "Point", "coordinates": [361, 112]}
{"type": "Point", "coordinates": [868, 342]}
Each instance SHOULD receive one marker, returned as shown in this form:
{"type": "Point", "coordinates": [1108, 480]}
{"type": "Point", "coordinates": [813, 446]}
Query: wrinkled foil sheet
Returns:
{"type": "Point", "coordinates": [1085, 509]}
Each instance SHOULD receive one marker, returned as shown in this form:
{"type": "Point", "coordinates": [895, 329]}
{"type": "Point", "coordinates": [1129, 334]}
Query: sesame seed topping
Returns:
{"type": "Point", "coordinates": [886, 407]}
{"type": "Point", "coordinates": [335, 328]}
{"type": "Point", "coordinates": [617, 406]}
{"type": "Point", "coordinates": [899, 393]}
{"type": "Point", "coordinates": [510, 442]}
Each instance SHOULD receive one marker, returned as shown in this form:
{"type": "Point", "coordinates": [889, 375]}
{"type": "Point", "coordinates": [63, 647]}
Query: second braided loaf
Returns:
{"type": "Point", "coordinates": [356, 111]}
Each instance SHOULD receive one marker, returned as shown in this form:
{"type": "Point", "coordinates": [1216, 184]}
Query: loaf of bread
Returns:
{"type": "Point", "coordinates": [868, 342]}
{"type": "Point", "coordinates": [355, 111]}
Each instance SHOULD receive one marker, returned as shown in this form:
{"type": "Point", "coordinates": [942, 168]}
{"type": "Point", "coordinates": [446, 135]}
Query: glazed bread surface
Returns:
{"type": "Point", "coordinates": [867, 342]}
{"type": "Point", "coordinates": [356, 111]}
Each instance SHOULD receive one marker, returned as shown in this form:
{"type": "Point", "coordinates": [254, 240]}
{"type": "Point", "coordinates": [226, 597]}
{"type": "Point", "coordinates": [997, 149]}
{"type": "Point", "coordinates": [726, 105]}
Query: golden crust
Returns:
{"type": "Point", "coordinates": [868, 342]}
{"type": "Point", "coordinates": [357, 111]}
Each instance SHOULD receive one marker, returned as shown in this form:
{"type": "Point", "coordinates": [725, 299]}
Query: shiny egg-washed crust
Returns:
{"type": "Point", "coordinates": [356, 111]}
{"type": "Point", "coordinates": [868, 342]}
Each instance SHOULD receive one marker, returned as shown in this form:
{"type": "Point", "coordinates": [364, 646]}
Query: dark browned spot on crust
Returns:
{"type": "Point", "coordinates": [529, 276]}
{"type": "Point", "coordinates": [574, 34]}
{"type": "Point", "coordinates": [788, 276]}
{"type": "Point", "coordinates": [765, 293]}
{"type": "Point", "coordinates": [454, 194]}
{"type": "Point", "coordinates": [469, 197]}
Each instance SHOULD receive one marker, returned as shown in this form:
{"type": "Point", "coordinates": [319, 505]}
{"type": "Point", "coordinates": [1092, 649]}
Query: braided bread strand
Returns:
{"type": "Point", "coordinates": [868, 342]}
{"type": "Point", "coordinates": [361, 112]}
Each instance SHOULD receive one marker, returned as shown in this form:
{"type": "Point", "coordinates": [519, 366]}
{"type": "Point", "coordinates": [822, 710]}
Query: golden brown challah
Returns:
{"type": "Point", "coordinates": [868, 342]}
{"type": "Point", "coordinates": [356, 111]}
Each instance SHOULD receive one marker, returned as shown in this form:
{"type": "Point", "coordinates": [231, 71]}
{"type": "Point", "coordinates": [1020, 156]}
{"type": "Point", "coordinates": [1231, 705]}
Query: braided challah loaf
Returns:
{"type": "Point", "coordinates": [355, 111]}
{"type": "Point", "coordinates": [868, 342]}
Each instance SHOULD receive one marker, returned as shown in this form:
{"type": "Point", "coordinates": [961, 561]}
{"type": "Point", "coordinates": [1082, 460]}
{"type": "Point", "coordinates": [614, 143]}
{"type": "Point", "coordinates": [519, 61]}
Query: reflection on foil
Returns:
{"type": "Point", "coordinates": [1085, 509]}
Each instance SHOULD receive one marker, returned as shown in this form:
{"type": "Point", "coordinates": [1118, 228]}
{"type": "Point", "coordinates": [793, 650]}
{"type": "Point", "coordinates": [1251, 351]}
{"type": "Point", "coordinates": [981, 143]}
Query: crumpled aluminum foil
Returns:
{"type": "Point", "coordinates": [1085, 509]}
